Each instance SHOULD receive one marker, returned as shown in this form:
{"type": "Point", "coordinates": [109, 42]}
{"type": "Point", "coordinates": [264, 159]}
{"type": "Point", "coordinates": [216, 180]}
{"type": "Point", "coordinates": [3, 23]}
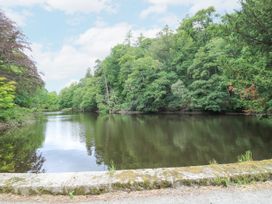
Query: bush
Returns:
{"type": "Point", "coordinates": [7, 91]}
{"type": "Point", "coordinates": [247, 156]}
{"type": "Point", "coordinates": [15, 114]}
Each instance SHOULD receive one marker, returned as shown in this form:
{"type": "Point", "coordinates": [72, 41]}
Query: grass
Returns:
{"type": "Point", "coordinates": [17, 117]}
{"type": "Point", "coordinates": [247, 156]}
{"type": "Point", "coordinates": [15, 114]}
{"type": "Point", "coordinates": [212, 162]}
{"type": "Point", "coordinates": [221, 181]}
{"type": "Point", "coordinates": [240, 180]}
{"type": "Point", "coordinates": [71, 194]}
{"type": "Point", "coordinates": [111, 168]}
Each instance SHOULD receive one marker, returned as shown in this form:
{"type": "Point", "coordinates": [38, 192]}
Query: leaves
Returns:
{"type": "Point", "coordinates": [207, 64]}
{"type": "Point", "coordinates": [15, 65]}
{"type": "Point", "coordinates": [7, 93]}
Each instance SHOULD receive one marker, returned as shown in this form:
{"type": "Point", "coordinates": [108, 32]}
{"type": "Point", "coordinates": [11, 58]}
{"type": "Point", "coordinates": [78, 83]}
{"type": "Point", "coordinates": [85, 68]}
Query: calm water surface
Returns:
{"type": "Point", "coordinates": [88, 142]}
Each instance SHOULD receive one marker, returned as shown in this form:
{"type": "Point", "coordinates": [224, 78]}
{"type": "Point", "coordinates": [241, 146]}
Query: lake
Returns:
{"type": "Point", "coordinates": [91, 142]}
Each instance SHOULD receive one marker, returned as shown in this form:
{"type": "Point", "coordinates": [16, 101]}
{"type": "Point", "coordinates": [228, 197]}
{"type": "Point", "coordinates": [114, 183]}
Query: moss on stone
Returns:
{"type": "Point", "coordinates": [132, 180]}
{"type": "Point", "coordinates": [195, 169]}
{"type": "Point", "coordinates": [79, 190]}
{"type": "Point", "coordinates": [98, 190]}
{"type": "Point", "coordinates": [126, 175]}
{"type": "Point", "coordinates": [8, 185]}
{"type": "Point", "coordinates": [14, 180]}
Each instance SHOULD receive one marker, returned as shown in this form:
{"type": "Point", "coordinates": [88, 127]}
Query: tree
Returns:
{"type": "Point", "coordinates": [248, 64]}
{"type": "Point", "coordinates": [208, 88]}
{"type": "Point", "coordinates": [144, 87]}
{"type": "Point", "coordinates": [208, 64]}
{"type": "Point", "coordinates": [182, 95]}
{"type": "Point", "coordinates": [162, 48]}
{"type": "Point", "coordinates": [200, 27]}
{"type": "Point", "coordinates": [253, 23]}
{"type": "Point", "coordinates": [7, 93]}
{"type": "Point", "coordinates": [66, 96]}
{"type": "Point", "coordinates": [250, 77]}
{"type": "Point", "coordinates": [15, 65]}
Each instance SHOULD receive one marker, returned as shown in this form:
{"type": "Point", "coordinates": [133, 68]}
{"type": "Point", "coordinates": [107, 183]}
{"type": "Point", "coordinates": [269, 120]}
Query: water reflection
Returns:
{"type": "Point", "coordinates": [18, 150]}
{"type": "Point", "coordinates": [88, 142]}
{"type": "Point", "coordinates": [65, 145]}
{"type": "Point", "coordinates": [164, 141]}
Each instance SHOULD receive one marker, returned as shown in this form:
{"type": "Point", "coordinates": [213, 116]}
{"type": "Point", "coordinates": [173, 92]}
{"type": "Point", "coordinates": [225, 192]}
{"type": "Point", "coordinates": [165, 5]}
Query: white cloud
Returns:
{"type": "Point", "coordinates": [170, 20]}
{"type": "Point", "coordinates": [194, 5]}
{"type": "Point", "coordinates": [67, 6]}
{"type": "Point", "coordinates": [19, 17]}
{"type": "Point", "coordinates": [100, 39]}
{"type": "Point", "coordinates": [72, 81]}
{"type": "Point", "coordinates": [83, 6]}
{"type": "Point", "coordinates": [25, 3]}
{"type": "Point", "coordinates": [62, 64]}
{"type": "Point", "coordinates": [81, 52]}
{"type": "Point", "coordinates": [149, 33]}
{"type": "Point", "coordinates": [156, 8]}
{"type": "Point", "coordinates": [219, 5]}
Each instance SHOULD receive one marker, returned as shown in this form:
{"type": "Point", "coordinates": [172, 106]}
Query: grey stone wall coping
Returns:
{"type": "Point", "coordinates": [83, 183]}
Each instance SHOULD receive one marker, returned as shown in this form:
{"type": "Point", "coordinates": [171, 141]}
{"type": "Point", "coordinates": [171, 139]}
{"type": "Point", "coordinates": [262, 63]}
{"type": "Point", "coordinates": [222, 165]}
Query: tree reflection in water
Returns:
{"type": "Point", "coordinates": [18, 149]}
{"type": "Point", "coordinates": [89, 142]}
{"type": "Point", "coordinates": [149, 141]}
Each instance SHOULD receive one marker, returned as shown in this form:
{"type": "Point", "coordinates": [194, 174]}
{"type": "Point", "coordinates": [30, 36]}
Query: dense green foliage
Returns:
{"type": "Point", "coordinates": [210, 63]}
{"type": "Point", "coordinates": [18, 149]}
{"type": "Point", "coordinates": [16, 66]}
{"type": "Point", "coordinates": [7, 90]}
{"type": "Point", "coordinates": [44, 100]}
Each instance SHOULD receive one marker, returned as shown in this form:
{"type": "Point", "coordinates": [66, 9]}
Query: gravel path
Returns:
{"type": "Point", "coordinates": [254, 193]}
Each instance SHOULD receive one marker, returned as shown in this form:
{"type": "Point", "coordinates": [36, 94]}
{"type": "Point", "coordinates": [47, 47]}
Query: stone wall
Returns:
{"type": "Point", "coordinates": [129, 180]}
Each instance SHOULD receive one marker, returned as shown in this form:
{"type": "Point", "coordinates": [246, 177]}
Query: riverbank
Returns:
{"type": "Point", "coordinates": [17, 117]}
{"type": "Point", "coordinates": [92, 183]}
{"type": "Point", "coordinates": [3, 126]}
{"type": "Point", "coordinates": [180, 112]}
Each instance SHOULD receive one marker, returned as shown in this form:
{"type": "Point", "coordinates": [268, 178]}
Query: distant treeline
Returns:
{"type": "Point", "coordinates": [210, 63]}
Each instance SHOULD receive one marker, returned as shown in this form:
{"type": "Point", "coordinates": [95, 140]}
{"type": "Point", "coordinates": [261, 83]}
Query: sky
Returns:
{"type": "Point", "coordinates": [68, 36]}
